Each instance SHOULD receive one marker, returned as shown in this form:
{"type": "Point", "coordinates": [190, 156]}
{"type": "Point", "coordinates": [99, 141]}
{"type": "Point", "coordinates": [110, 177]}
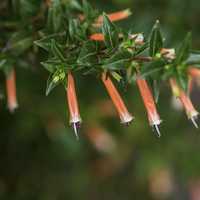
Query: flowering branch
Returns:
{"type": "Point", "coordinates": [78, 38]}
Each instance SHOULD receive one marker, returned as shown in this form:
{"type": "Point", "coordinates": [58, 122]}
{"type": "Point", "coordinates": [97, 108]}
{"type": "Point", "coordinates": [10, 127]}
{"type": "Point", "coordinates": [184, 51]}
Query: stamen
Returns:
{"type": "Point", "coordinates": [193, 119]}
{"type": "Point", "coordinates": [156, 128]}
{"type": "Point", "coordinates": [76, 127]}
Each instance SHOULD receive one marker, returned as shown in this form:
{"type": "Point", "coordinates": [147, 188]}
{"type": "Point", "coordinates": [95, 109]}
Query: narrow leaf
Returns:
{"type": "Point", "coordinates": [156, 40]}
{"type": "Point", "coordinates": [110, 33]}
{"type": "Point", "coordinates": [183, 52]}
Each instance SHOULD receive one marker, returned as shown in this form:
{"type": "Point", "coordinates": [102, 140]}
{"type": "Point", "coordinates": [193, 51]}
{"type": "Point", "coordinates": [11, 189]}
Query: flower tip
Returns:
{"type": "Point", "coordinates": [12, 108]}
{"type": "Point", "coordinates": [76, 127]}
{"type": "Point", "coordinates": [157, 130]}
{"type": "Point", "coordinates": [128, 120]}
{"type": "Point", "coordinates": [194, 121]}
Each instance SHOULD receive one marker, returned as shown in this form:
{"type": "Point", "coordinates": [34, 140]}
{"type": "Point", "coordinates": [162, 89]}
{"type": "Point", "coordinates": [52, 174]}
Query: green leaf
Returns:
{"type": "Point", "coordinates": [56, 51]}
{"type": "Point", "coordinates": [153, 69]}
{"type": "Point", "coordinates": [156, 89]}
{"type": "Point", "coordinates": [141, 49]}
{"type": "Point", "coordinates": [52, 82]}
{"type": "Point", "coordinates": [76, 31]}
{"type": "Point", "coordinates": [182, 79]}
{"type": "Point", "coordinates": [87, 54]}
{"type": "Point", "coordinates": [156, 40]}
{"type": "Point", "coordinates": [49, 67]}
{"type": "Point", "coordinates": [45, 42]}
{"type": "Point", "coordinates": [50, 86]}
{"type": "Point", "coordinates": [118, 61]}
{"type": "Point", "coordinates": [29, 8]}
{"type": "Point", "coordinates": [110, 33]}
{"type": "Point", "coordinates": [87, 9]}
{"type": "Point", "coordinates": [55, 16]}
{"type": "Point", "coordinates": [22, 45]}
{"type": "Point", "coordinates": [75, 5]}
{"type": "Point", "coordinates": [19, 42]}
{"type": "Point", "coordinates": [2, 63]}
{"type": "Point", "coordinates": [116, 76]}
{"type": "Point", "coordinates": [183, 52]}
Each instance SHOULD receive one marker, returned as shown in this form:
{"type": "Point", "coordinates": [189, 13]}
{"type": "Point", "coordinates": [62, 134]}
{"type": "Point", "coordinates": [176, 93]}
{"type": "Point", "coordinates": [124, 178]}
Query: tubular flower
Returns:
{"type": "Point", "coordinates": [145, 92]}
{"type": "Point", "coordinates": [186, 102]}
{"type": "Point", "coordinates": [115, 16]}
{"type": "Point", "coordinates": [11, 91]}
{"type": "Point", "coordinates": [97, 37]}
{"type": "Point", "coordinates": [124, 115]}
{"type": "Point", "coordinates": [138, 38]}
{"type": "Point", "coordinates": [100, 37]}
{"type": "Point", "coordinates": [75, 119]}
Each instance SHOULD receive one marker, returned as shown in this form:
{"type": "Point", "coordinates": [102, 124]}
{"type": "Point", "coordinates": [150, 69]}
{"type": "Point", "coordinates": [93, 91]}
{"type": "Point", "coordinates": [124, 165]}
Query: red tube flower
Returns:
{"type": "Point", "coordinates": [186, 102]}
{"type": "Point", "coordinates": [115, 16]}
{"type": "Point", "coordinates": [145, 92]}
{"type": "Point", "coordinates": [11, 91]}
{"type": "Point", "coordinates": [75, 119]}
{"type": "Point", "coordinates": [97, 37]}
{"type": "Point", "coordinates": [124, 115]}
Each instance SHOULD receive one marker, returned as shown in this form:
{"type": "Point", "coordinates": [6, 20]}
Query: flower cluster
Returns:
{"type": "Point", "coordinates": [77, 38]}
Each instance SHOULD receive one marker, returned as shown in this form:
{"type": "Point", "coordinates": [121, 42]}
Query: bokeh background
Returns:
{"type": "Point", "coordinates": [40, 158]}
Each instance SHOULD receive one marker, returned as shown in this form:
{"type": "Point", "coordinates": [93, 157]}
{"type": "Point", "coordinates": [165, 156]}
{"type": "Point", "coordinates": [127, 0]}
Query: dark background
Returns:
{"type": "Point", "coordinates": [41, 159]}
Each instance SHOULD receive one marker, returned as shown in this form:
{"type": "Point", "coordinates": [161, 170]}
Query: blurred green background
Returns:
{"type": "Point", "coordinates": [40, 158]}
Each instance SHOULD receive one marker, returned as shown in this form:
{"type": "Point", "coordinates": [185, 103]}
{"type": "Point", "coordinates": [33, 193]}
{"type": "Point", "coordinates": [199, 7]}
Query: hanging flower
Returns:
{"type": "Point", "coordinates": [75, 119]}
{"type": "Point", "coordinates": [11, 91]}
{"type": "Point", "coordinates": [124, 115]}
{"type": "Point", "coordinates": [186, 102]}
{"type": "Point", "coordinates": [145, 92]}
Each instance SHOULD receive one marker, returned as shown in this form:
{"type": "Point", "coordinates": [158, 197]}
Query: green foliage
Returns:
{"type": "Point", "coordinates": [40, 158]}
{"type": "Point", "coordinates": [110, 33]}
{"type": "Point", "coordinates": [156, 40]}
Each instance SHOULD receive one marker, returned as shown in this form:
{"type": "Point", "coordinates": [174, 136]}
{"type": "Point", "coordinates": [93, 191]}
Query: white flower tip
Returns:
{"type": "Point", "coordinates": [76, 127]}
{"type": "Point", "coordinates": [194, 119]}
{"type": "Point", "coordinates": [126, 119]}
{"type": "Point", "coordinates": [12, 107]}
{"type": "Point", "coordinates": [156, 128]}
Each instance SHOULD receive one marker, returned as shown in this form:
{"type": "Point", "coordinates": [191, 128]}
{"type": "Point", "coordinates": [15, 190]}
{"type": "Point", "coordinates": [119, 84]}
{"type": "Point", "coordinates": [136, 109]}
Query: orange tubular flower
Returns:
{"type": "Point", "coordinates": [75, 119]}
{"type": "Point", "coordinates": [115, 16]}
{"type": "Point", "coordinates": [124, 115]}
{"type": "Point", "coordinates": [186, 102]}
{"type": "Point", "coordinates": [11, 91]}
{"type": "Point", "coordinates": [145, 92]}
{"type": "Point", "coordinates": [97, 37]}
